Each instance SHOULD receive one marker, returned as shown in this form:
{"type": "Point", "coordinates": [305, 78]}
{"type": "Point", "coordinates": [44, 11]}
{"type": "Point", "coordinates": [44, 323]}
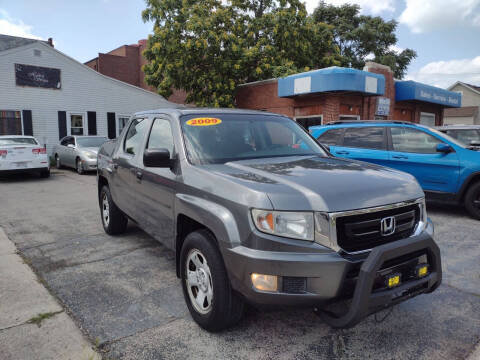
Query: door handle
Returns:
{"type": "Point", "coordinates": [342, 152]}
{"type": "Point", "coordinates": [139, 175]}
{"type": "Point", "coordinates": [399, 157]}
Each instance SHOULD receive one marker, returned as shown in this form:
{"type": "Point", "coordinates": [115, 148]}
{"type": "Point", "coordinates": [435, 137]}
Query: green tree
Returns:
{"type": "Point", "coordinates": [359, 37]}
{"type": "Point", "coordinates": [208, 47]}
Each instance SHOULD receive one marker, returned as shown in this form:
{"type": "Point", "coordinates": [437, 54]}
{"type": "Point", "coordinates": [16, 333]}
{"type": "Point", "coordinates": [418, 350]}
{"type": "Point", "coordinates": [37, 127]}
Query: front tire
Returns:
{"type": "Point", "coordinates": [206, 287]}
{"type": "Point", "coordinates": [472, 200]}
{"type": "Point", "coordinates": [58, 164]}
{"type": "Point", "coordinates": [113, 220]}
{"type": "Point", "coordinates": [79, 167]}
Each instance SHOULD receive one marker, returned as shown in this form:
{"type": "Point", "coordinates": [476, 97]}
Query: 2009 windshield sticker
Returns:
{"type": "Point", "coordinates": [204, 121]}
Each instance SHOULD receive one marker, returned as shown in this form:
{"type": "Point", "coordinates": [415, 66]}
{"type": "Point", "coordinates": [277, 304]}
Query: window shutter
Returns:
{"type": "Point", "coordinates": [112, 128]}
{"type": "Point", "coordinates": [27, 122]}
{"type": "Point", "coordinates": [92, 122]}
{"type": "Point", "coordinates": [62, 124]}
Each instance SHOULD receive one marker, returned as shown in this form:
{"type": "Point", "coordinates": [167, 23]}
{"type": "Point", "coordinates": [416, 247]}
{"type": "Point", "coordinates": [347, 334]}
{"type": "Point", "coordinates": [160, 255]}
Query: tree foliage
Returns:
{"type": "Point", "coordinates": [360, 37]}
{"type": "Point", "coordinates": [208, 47]}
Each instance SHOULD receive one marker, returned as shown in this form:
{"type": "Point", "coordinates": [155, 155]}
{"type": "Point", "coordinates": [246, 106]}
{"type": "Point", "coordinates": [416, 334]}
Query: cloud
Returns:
{"type": "Point", "coordinates": [374, 7]}
{"type": "Point", "coordinates": [446, 73]}
{"type": "Point", "coordinates": [15, 27]}
{"type": "Point", "coordinates": [429, 15]}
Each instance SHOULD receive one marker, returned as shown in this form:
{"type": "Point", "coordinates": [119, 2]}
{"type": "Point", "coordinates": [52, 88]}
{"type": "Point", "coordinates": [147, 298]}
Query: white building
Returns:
{"type": "Point", "coordinates": [49, 95]}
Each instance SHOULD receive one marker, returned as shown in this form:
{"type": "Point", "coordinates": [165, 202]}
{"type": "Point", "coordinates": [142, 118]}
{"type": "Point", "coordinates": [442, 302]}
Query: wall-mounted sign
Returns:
{"type": "Point", "coordinates": [383, 106]}
{"type": "Point", "coordinates": [37, 76]}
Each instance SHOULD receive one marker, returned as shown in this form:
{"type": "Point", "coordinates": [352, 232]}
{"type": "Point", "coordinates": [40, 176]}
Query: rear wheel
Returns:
{"type": "Point", "coordinates": [79, 167]}
{"type": "Point", "coordinates": [45, 173]}
{"type": "Point", "coordinates": [113, 220]}
{"type": "Point", "coordinates": [206, 287]}
{"type": "Point", "coordinates": [472, 200]}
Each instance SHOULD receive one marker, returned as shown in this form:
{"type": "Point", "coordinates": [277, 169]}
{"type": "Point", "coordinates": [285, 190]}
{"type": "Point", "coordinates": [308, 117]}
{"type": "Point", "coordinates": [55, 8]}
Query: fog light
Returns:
{"type": "Point", "coordinates": [265, 282]}
{"type": "Point", "coordinates": [421, 270]}
{"type": "Point", "coordinates": [393, 280]}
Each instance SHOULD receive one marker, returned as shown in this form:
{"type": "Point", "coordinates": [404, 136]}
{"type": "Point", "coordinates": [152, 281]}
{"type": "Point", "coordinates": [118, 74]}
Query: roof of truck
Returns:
{"type": "Point", "coordinates": [194, 110]}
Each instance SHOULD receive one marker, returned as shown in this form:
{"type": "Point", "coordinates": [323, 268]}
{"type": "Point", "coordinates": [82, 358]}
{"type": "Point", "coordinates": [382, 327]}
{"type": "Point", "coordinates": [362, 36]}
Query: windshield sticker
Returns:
{"type": "Point", "coordinates": [204, 121]}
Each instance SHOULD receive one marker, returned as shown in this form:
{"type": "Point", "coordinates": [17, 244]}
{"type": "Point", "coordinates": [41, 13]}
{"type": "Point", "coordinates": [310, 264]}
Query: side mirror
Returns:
{"type": "Point", "coordinates": [159, 158]}
{"type": "Point", "coordinates": [71, 146]}
{"type": "Point", "coordinates": [444, 148]}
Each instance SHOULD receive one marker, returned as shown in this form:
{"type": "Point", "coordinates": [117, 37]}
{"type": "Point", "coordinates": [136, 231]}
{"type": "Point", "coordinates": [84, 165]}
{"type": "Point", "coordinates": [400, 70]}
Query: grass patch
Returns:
{"type": "Point", "coordinates": [43, 316]}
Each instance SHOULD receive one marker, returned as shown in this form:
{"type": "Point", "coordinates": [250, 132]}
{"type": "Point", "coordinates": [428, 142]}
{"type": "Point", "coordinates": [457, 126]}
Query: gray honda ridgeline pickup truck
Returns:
{"type": "Point", "coordinates": [257, 211]}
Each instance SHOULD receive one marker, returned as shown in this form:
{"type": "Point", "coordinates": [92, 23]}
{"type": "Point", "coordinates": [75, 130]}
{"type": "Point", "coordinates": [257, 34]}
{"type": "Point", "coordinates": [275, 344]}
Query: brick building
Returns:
{"type": "Point", "coordinates": [335, 93]}
{"type": "Point", "coordinates": [125, 64]}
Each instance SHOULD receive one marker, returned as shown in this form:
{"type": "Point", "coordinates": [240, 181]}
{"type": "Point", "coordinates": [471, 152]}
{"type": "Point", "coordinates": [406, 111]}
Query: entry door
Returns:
{"type": "Point", "coordinates": [156, 187]}
{"type": "Point", "coordinates": [414, 151]}
{"type": "Point", "coordinates": [125, 164]}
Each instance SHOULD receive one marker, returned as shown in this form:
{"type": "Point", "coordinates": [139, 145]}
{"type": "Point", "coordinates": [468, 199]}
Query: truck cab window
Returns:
{"type": "Point", "coordinates": [134, 136]}
{"type": "Point", "coordinates": [161, 136]}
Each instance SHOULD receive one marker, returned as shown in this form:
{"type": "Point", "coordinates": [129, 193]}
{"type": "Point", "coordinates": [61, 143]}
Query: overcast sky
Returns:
{"type": "Point", "coordinates": [445, 33]}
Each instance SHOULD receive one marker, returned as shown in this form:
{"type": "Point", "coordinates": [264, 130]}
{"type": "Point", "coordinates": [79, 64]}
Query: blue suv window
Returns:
{"type": "Point", "coordinates": [331, 137]}
{"type": "Point", "coordinates": [414, 141]}
{"type": "Point", "coordinates": [371, 137]}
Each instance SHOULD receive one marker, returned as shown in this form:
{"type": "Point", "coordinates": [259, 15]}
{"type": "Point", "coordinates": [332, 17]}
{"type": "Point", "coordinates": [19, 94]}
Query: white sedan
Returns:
{"type": "Point", "coordinates": [23, 154]}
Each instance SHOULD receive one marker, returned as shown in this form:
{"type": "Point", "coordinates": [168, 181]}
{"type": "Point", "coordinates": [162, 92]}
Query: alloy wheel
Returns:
{"type": "Point", "coordinates": [199, 281]}
{"type": "Point", "coordinates": [105, 210]}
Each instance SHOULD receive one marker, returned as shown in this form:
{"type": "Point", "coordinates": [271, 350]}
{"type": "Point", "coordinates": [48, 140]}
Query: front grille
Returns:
{"type": "Point", "coordinates": [363, 231]}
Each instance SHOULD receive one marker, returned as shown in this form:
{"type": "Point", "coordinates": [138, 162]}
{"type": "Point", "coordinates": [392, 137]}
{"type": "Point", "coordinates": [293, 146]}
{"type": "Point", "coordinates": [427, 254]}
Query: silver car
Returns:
{"type": "Point", "coordinates": [78, 152]}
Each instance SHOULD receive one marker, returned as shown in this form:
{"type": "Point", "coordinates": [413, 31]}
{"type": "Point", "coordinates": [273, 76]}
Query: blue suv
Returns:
{"type": "Point", "coordinates": [447, 169]}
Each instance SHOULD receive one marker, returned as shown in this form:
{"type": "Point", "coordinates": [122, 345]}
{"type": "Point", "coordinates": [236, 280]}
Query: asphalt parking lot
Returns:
{"type": "Point", "coordinates": [124, 294]}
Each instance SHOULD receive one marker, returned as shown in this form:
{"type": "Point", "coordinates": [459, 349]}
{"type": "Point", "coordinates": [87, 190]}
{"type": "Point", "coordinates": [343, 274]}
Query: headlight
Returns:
{"type": "Point", "coordinates": [423, 214]}
{"type": "Point", "coordinates": [90, 155]}
{"type": "Point", "coordinates": [297, 225]}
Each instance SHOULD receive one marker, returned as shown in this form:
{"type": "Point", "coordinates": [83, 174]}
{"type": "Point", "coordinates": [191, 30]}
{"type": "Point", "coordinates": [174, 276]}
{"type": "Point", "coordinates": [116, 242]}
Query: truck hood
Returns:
{"type": "Point", "coordinates": [322, 183]}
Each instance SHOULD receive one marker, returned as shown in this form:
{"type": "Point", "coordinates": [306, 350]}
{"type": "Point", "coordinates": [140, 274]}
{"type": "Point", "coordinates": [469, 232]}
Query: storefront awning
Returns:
{"type": "Point", "coordinates": [331, 79]}
{"type": "Point", "coordinates": [411, 90]}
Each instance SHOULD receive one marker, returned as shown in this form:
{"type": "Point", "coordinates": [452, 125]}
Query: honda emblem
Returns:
{"type": "Point", "coordinates": [387, 226]}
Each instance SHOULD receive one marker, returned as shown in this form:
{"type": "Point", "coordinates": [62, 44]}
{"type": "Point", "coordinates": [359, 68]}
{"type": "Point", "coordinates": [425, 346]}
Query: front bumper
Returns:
{"type": "Point", "coordinates": [89, 164]}
{"type": "Point", "coordinates": [327, 275]}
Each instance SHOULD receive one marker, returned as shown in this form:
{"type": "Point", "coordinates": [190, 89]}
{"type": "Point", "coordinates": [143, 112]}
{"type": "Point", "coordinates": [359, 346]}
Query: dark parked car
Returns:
{"type": "Point", "coordinates": [256, 210]}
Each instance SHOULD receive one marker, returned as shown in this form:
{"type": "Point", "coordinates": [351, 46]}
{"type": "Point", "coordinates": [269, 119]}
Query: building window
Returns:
{"type": "Point", "coordinates": [427, 119]}
{"type": "Point", "coordinates": [349, 117]}
{"type": "Point", "coordinates": [122, 121]}
{"type": "Point", "coordinates": [77, 124]}
{"type": "Point", "coordinates": [307, 121]}
{"type": "Point", "coordinates": [10, 122]}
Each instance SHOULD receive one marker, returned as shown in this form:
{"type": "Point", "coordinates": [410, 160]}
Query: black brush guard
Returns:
{"type": "Point", "coordinates": [365, 302]}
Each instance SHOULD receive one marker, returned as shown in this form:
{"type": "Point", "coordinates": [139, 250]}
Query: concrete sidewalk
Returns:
{"type": "Point", "coordinates": [32, 324]}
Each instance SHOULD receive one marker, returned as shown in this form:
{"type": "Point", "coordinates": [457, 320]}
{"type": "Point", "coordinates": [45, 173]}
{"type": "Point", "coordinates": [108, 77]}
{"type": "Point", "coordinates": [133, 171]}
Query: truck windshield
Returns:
{"type": "Point", "coordinates": [220, 138]}
{"type": "Point", "coordinates": [90, 141]}
{"type": "Point", "coordinates": [465, 136]}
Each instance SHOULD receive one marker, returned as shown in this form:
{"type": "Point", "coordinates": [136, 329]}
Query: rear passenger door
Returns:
{"type": "Point", "coordinates": [415, 151]}
{"type": "Point", "coordinates": [125, 164]}
{"type": "Point", "coordinates": [368, 143]}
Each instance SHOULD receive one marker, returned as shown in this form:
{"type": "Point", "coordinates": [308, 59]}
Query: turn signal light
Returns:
{"type": "Point", "coordinates": [265, 282]}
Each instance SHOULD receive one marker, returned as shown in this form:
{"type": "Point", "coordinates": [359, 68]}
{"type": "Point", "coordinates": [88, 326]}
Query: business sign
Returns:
{"type": "Point", "coordinates": [383, 106]}
{"type": "Point", "coordinates": [440, 98]}
{"type": "Point", "coordinates": [37, 76]}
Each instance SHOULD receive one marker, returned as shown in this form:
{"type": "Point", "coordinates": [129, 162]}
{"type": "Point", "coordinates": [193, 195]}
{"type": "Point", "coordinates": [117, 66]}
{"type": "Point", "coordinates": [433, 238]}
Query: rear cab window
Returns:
{"type": "Point", "coordinates": [369, 137]}
{"type": "Point", "coordinates": [134, 136]}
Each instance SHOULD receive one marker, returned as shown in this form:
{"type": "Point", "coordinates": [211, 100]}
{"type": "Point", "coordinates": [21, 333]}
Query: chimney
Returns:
{"type": "Point", "coordinates": [50, 42]}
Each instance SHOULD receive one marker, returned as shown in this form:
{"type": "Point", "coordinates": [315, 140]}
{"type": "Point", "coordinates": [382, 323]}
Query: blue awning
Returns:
{"type": "Point", "coordinates": [411, 90]}
{"type": "Point", "coordinates": [331, 79]}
